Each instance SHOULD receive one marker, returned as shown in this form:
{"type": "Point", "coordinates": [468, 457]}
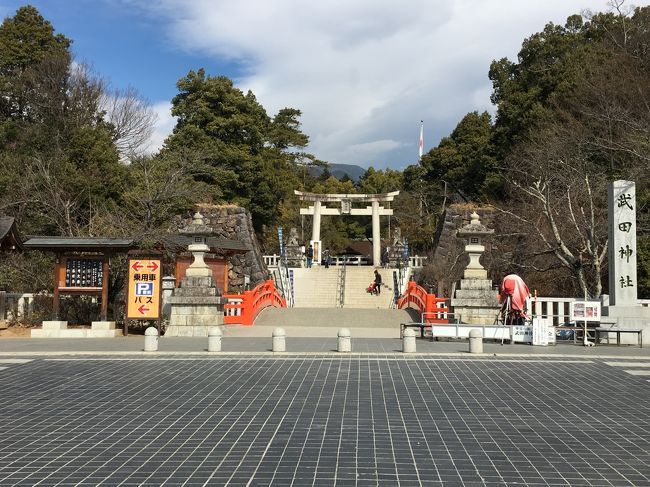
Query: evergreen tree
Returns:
{"type": "Point", "coordinates": [246, 154]}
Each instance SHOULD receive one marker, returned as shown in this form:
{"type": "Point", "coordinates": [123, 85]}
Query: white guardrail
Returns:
{"type": "Point", "coordinates": [559, 309]}
{"type": "Point", "coordinates": [415, 262]}
{"type": "Point", "coordinates": [18, 305]}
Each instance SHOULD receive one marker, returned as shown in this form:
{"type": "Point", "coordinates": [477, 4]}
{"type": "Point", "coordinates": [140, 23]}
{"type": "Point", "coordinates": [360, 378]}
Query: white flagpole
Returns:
{"type": "Point", "coordinates": [421, 137]}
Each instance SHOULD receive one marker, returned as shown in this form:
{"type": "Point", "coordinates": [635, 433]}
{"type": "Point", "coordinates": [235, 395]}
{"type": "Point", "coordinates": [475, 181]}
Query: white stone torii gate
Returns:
{"type": "Point", "coordinates": [345, 201]}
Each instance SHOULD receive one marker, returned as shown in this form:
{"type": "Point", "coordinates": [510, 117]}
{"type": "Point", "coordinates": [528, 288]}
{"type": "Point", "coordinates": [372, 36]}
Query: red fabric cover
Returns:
{"type": "Point", "coordinates": [515, 287]}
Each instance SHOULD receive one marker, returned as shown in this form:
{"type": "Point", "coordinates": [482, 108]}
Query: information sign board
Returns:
{"type": "Point", "coordinates": [522, 334]}
{"type": "Point", "coordinates": [540, 331]}
{"type": "Point", "coordinates": [83, 272]}
{"type": "Point", "coordinates": [144, 289]}
{"type": "Point", "coordinates": [585, 311]}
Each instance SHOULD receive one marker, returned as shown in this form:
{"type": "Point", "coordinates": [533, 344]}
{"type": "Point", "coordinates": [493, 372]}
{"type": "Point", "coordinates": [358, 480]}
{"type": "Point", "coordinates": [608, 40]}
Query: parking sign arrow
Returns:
{"type": "Point", "coordinates": [152, 267]}
{"type": "Point", "coordinates": [137, 265]}
{"type": "Point", "coordinates": [143, 309]}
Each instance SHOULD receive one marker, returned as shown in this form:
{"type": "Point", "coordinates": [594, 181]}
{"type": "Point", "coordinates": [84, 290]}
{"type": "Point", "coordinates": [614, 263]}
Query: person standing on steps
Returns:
{"type": "Point", "coordinates": [327, 258]}
{"type": "Point", "coordinates": [377, 282]}
{"type": "Point", "coordinates": [310, 256]}
{"type": "Point", "coordinates": [384, 258]}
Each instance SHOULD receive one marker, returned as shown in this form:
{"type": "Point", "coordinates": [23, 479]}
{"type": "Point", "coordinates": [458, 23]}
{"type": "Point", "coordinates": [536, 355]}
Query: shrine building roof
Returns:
{"type": "Point", "coordinates": [215, 243]}
{"type": "Point", "coordinates": [9, 238]}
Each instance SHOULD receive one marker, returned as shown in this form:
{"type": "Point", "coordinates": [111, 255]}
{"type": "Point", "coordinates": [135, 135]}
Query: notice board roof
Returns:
{"type": "Point", "coordinates": [57, 244]}
{"type": "Point", "coordinates": [97, 244]}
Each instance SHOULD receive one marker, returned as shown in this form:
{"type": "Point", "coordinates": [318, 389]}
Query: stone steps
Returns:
{"type": "Point", "coordinates": [319, 322]}
{"type": "Point", "coordinates": [315, 287]}
{"type": "Point", "coordinates": [59, 329]}
{"type": "Point", "coordinates": [357, 280]}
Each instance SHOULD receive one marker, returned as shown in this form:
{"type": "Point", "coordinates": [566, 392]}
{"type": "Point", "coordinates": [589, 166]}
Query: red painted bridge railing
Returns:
{"type": "Point", "coordinates": [431, 308]}
{"type": "Point", "coordinates": [242, 309]}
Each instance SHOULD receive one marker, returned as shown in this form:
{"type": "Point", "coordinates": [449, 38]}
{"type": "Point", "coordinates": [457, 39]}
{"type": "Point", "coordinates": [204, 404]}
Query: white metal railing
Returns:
{"type": "Point", "coordinates": [557, 309]}
{"type": "Point", "coordinates": [285, 283]}
{"type": "Point", "coordinates": [233, 311]}
{"type": "Point", "coordinates": [271, 260]}
{"type": "Point", "coordinates": [405, 277]}
{"type": "Point", "coordinates": [415, 261]}
{"type": "Point", "coordinates": [340, 286]}
{"type": "Point", "coordinates": [349, 260]}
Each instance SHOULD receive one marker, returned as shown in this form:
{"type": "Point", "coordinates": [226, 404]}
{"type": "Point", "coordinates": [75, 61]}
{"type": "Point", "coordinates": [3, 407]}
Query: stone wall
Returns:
{"type": "Point", "coordinates": [449, 258]}
{"type": "Point", "coordinates": [455, 216]}
{"type": "Point", "coordinates": [235, 223]}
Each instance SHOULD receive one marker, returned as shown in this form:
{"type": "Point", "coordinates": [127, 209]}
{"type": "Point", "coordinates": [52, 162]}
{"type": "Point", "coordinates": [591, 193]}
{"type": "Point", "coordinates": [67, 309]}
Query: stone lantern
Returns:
{"type": "Point", "coordinates": [474, 232]}
{"type": "Point", "coordinates": [197, 305]}
{"type": "Point", "coordinates": [198, 232]}
{"type": "Point", "coordinates": [475, 300]}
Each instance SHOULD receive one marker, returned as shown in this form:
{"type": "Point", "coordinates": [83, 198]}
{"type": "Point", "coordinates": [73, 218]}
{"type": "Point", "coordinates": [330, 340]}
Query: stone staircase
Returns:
{"type": "Point", "coordinates": [320, 322]}
{"type": "Point", "coordinates": [318, 288]}
{"type": "Point", "coordinates": [316, 314]}
{"type": "Point", "coordinates": [357, 279]}
{"type": "Point", "coordinates": [315, 287]}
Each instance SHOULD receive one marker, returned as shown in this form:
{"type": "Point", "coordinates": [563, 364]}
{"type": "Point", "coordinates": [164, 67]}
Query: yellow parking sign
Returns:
{"type": "Point", "coordinates": [143, 289]}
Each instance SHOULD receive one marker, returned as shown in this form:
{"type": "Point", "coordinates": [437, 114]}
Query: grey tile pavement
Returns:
{"type": "Point", "coordinates": [310, 421]}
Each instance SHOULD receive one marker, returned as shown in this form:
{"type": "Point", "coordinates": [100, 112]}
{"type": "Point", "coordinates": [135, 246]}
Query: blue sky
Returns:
{"type": "Point", "coordinates": [123, 45]}
{"type": "Point", "coordinates": [363, 72]}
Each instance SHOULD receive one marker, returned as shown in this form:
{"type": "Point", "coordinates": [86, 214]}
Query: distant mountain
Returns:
{"type": "Point", "coordinates": [340, 170]}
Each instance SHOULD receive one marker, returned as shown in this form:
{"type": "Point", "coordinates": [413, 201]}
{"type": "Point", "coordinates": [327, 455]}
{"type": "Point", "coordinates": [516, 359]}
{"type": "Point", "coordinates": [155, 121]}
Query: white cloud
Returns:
{"type": "Point", "coordinates": [365, 72]}
{"type": "Point", "coordinates": [164, 125]}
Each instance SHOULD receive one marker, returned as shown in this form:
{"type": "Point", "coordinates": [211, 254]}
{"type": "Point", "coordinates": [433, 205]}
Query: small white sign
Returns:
{"type": "Point", "coordinates": [540, 331]}
{"type": "Point", "coordinates": [522, 334]}
{"type": "Point", "coordinates": [550, 333]}
{"type": "Point", "coordinates": [585, 311]}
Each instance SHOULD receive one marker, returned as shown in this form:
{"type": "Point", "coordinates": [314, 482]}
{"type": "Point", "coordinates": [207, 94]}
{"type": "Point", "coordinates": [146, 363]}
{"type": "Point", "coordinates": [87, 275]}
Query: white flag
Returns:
{"type": "Point", "coordinates": [421, 137]}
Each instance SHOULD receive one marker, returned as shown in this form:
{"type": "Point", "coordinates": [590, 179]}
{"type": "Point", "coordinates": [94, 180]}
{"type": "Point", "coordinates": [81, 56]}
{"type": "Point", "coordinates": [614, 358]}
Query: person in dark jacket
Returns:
{"type": "Point", "coordinates": [327, 258]}
{"type": "Point", "coordinates": [384, 258]}
{"type": "Point", "coordinates": [377, 282]}
{"type": "Point", "coordinates": [310, 256]}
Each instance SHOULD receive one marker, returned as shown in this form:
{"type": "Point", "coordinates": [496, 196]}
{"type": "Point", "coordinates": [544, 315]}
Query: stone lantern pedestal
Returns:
{"type": "Point", "coordinates": [197, 304]}
{"type": "Point", "coordinates": [475, 301]}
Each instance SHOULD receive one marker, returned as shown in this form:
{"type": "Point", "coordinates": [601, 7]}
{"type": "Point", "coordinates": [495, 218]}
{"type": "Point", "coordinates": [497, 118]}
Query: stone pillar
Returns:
{"type": "Point", "coordinates": [622, 243]}
{"type": "Point", "coordinates": [315, 231]}
{"type": "Point", "coordinates": [376, 234]}
{"type": "Point", "coordinates": [168, 286]}
{"type": "Point", "coordinates": [344, 340]}
{"type": "Point", "coordinates": [278, 342]}
{"type": "Point", "coordinates": [408, 341]}
{"type": "Point", "coordinates": [151, 339]}
{"type": "Point", "coordinates": [214, 339]}
{"type": "Point", "coordinates": [475, 341]}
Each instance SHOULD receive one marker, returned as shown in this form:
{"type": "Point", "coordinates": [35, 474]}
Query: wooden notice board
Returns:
{"type": "Point", "coordinates": [144, 285]}
{"type": "Point", "coordinates": [81, 274]}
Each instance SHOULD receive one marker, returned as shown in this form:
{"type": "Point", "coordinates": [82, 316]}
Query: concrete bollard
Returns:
{"type": "Point", "coordinates": [214, 339]}
{"type": "Point", "coordinates": [151, 339]}
{"type": "Point", "coordinates": [408, 341]}
{"type": "Point", "coordinates": [345, 340]}
{"type": "Point", "coordinates": [475, 341]}
{"type": "Point", "coordinates": [279, 344]}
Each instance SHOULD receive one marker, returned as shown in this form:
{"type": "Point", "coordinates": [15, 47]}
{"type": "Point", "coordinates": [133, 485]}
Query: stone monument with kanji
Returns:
{"type": "Point", "coordinates": [622, 305]}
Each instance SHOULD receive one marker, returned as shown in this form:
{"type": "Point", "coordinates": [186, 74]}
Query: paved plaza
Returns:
{"type": "Point", "coordinates": [323, 419]}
